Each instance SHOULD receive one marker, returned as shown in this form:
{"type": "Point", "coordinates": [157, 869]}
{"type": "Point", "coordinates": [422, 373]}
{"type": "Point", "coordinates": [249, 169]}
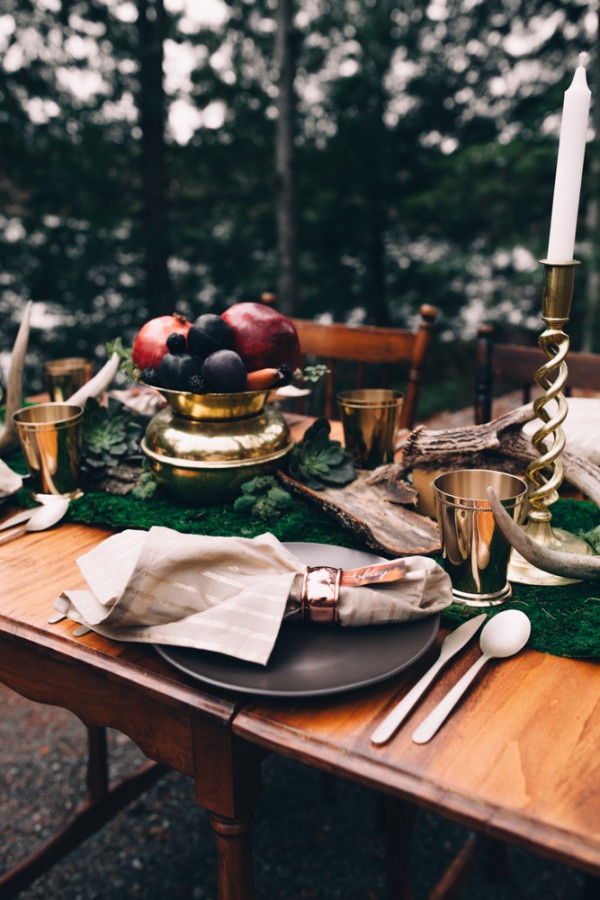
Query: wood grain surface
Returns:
{"type": "Point", "coordinates": [518, 759]}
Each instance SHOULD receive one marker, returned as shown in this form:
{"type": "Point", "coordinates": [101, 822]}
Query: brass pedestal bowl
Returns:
{"type": "Point", "coordinates": [202, 447]}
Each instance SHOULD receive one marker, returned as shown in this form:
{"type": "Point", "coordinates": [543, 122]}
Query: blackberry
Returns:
{"type": "Point", "coordinates": [285, 375]}
{"type": "Point", "coordinates": [176, 343]}
{"type": "Point", "coordinates": [150, 376]}
{"type": "Point", "coordinates": [196, 384]}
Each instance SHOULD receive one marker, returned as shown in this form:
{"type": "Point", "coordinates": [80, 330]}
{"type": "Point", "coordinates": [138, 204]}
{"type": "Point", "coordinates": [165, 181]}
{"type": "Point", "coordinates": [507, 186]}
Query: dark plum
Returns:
{"type": "Point", "coordinates": [208, 334]}
{"type": "Point", "coordinates": [224, 372]}
{"type": "Point", "coordinates": [176, 371]}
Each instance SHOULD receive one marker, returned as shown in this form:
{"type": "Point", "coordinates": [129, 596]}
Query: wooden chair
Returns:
{"type": "Point", "coordinates": [392, 348]}
{"type": "Point", "coordinates": [513, 364]}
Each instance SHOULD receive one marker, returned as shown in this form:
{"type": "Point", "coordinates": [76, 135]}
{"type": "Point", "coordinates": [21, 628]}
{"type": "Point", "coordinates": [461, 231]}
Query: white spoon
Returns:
{"type": "Point", "coordinates": [503, 636]}
{"type": "Point", "coordinates": [43, 517]}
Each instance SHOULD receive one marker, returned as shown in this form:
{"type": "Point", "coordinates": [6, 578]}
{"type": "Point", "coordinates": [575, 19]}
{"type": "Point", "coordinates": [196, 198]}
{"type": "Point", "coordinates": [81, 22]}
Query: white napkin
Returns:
{"type": "Point", "coordinates": [10, 482]}
{"type": "Point", "coordinates": [227, 595]}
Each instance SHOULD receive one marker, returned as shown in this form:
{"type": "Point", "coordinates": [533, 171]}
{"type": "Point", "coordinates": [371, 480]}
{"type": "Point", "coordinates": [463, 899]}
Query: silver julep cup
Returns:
{"type": "Point", "coordinates": [475, 552]}
{"type": "Point", "coordinates": [51, 436]}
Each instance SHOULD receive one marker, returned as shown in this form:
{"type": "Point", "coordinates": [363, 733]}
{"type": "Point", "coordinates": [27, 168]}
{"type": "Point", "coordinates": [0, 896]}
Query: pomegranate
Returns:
{"type": "Point", "coordinates": [263, 337]}
{"type": "Point", "coordinates": [150, 344]}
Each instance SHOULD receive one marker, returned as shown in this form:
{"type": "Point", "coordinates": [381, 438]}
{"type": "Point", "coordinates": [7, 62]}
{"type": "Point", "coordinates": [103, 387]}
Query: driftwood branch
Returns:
{"type": "Point", "coordinates": [499, 443]}
{"type": "Point", "coordinates": [366, 509]}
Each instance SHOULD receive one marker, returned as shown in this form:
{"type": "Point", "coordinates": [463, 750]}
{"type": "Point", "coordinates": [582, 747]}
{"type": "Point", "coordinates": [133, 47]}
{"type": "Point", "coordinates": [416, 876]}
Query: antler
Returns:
{"type": "Point", "coordinates": [14, 391]}
{"type": "Point", "coordinates": [14, 388]}
{"type": "Point", "coordinates": [98, 383]}
{"type": "Point", "coordinates": [570, 565]}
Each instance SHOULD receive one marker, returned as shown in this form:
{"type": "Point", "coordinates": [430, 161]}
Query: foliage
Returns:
{"type": "Point", "coordinates": [312, 374]}
{"type": "Point", "coordinates": [263, 498]}
{"type": "Point", "coordinates": [426, 148]}
{"type": "Point", "coordinates": [110, 436]}
{"type": "Point", "coordinates": [146, 487]}
{"type": "Point", "coordinates": [318, 461]}
{"type": "Point", "coordinates": [126, 364]}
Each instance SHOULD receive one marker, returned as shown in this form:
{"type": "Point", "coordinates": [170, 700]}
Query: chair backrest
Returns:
{"type": "Point", "coordinates": [517, 365]}
{"type": "Point", "coordinates": [369, 344]}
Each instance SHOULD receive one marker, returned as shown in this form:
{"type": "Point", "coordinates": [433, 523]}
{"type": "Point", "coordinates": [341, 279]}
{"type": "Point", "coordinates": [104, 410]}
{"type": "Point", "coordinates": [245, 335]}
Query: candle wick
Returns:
{"type": "Point", "coordinates": [584, 58]}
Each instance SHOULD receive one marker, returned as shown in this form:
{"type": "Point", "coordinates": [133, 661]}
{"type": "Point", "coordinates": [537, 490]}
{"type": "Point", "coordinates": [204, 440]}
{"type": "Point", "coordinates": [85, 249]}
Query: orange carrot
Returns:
{"type": "Point", "coordinates": [261, 379]}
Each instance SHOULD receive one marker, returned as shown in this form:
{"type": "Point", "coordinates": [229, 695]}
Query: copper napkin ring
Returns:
{"type": "Point", "coordinates": [320, 594]}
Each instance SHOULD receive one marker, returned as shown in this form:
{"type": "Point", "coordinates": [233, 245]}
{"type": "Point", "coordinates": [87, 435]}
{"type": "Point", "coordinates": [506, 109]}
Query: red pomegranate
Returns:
{"type": "Point", "coordinates": [263, 337]}
{"type": "Point", "coordinates": [150, 344]}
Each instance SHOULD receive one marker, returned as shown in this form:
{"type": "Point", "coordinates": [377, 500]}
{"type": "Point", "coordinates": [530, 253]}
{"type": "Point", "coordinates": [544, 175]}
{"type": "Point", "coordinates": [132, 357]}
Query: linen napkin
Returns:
{"type": "Point", "coordinates": [228, 595]}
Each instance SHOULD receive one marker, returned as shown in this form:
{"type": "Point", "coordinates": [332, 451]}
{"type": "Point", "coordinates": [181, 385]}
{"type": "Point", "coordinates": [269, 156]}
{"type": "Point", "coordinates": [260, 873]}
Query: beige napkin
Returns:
{"type": "Point", "coordinates": [227, 595]}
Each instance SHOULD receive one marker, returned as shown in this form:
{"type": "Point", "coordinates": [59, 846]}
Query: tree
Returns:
{"type": "Point", "coordinates": [152, 106]}
{"type": "Point", "coordinates": [285, 59]}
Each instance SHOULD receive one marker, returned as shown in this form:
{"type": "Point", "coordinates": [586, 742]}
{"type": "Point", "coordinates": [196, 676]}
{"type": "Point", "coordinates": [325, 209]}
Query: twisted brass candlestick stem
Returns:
{"type": "Point", "coordinates": [545, 473]}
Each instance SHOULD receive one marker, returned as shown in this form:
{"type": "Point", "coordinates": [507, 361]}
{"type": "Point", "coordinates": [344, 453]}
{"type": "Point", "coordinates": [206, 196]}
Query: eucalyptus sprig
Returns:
{"type": "Point", "coordinates": [318, 462]}
{"type": "Point", "coordinates": [127, 366]}
{"type": "Point", "coordinates": [311, 374]}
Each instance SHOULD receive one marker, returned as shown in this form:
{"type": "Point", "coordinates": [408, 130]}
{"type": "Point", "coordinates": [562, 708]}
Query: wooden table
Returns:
{"type": "Point", "coordinates": [127, 687]}
{"type": "Point", "coordinates": [518, 760]}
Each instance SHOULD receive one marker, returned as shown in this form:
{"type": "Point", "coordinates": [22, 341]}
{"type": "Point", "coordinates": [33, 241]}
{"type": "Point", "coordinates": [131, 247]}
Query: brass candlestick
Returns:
{"type": "Point", "coordinates": [545, 474]}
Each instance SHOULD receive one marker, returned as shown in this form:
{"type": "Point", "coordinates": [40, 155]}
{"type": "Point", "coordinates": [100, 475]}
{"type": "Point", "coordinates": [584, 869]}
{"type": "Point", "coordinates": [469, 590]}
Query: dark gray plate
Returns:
{"type": "Point", "coordinates": [310, 660]}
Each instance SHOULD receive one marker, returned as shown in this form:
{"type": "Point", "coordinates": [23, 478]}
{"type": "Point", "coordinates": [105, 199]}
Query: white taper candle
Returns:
{"type": "Point", "coordinates": [569, 167]}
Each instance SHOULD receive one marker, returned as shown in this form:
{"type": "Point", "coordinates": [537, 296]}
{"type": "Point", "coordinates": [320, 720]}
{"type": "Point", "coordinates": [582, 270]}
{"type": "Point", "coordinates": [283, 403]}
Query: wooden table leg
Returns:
{"type": "Point", "coordinates": [399, 821]}
{"type": "Point", "coordinates": [227, 784]}
{"type": "Point", "coordinates": [234, 857]}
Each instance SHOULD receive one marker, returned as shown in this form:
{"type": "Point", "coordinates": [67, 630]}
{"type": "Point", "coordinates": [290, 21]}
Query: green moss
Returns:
{"type": "Point", "coordinates": [302, 523]}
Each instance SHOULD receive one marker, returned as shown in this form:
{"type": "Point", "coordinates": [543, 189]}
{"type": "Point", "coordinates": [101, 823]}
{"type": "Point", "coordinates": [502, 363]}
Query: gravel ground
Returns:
{"type": "Point", "coordinates": [315, 838]}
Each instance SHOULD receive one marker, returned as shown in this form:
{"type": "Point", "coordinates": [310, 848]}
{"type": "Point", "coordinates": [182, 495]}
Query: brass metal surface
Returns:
{"type": "Point", "coordinates": [63, 377]}
{"type": "Point", "coordinates": [475, 552]}
{"type": "Point", "coordinates": [370, 420]}
{"type": "Point", "coordinates": [214, 406]}
{"type": "Point", "coordinates": [205, 458]}
{"type": "Point", "coordinates": [50, 436]}
{"type": "Point", "coordinates": [545, 473]}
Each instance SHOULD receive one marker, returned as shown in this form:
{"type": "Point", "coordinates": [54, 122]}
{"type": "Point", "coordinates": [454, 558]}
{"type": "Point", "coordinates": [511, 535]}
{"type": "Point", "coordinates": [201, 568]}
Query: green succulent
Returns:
{"type": "Point", "coordinates": [110, 436]}
{"type": "Point", "coordinates": [263, 498]}
{"type": "Point", "coordinates": [317, 461]}
{"type": "Point", "coordinates": [145, 488]}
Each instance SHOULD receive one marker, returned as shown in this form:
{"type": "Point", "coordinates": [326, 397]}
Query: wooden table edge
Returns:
{"type": "Point", "coordinates": [437, 797]}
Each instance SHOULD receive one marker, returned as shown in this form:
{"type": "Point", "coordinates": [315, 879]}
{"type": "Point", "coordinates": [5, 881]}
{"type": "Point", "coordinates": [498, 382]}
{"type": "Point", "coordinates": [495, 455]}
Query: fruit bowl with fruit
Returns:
{"type": "Point", "coordinates": [216, 374]}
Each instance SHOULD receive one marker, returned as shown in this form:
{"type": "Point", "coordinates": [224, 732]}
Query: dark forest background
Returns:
{"type": "Point", "coordinates": [355, 157]}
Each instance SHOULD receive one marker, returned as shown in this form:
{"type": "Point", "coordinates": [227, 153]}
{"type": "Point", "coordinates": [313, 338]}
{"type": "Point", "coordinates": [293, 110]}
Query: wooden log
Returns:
{"type": "Point", "coordinates": [497, 444]}
{"type": "Point", "coordinates": [367, 511]}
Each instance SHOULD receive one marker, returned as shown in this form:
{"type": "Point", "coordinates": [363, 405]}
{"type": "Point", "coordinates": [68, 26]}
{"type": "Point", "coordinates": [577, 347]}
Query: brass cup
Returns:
{"type": "Point", "coordinates": [370, 419]}
{"type": "Point", "coordinates": [63, 377]}
{"type": "Point", "coordinates": [475, 552]}
{"type": "Point", "coordinates": [50, 436]}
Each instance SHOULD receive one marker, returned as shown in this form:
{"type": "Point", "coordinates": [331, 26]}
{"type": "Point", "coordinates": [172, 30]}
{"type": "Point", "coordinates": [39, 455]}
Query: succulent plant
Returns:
{"type": "Point", "coordinates": [317, 461]}
{"type": "Point", "coordinates": [110, 436]}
